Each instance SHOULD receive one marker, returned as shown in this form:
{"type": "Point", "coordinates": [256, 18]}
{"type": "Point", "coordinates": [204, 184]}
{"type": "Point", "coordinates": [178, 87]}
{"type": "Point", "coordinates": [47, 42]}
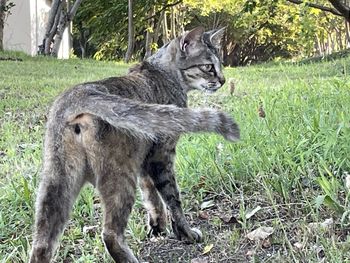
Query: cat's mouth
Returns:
{"type": "Point", "coordinates": [210, 88]}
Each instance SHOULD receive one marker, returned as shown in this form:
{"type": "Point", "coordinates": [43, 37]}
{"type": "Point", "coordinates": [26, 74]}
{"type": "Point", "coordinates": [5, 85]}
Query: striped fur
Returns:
{"type": "Point", "coordinates": [119, 131]}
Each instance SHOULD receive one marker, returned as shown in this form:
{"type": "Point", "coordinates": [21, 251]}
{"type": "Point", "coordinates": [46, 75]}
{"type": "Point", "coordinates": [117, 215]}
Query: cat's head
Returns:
{"type": "Point", "coordinates": [194, 58]}
{"type": "Point", "coordinates": [198, 59]}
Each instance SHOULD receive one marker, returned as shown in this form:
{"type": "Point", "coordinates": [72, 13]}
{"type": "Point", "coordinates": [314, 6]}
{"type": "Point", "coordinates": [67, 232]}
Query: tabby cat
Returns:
{"type": "Point", "coordinates": [122, 131]}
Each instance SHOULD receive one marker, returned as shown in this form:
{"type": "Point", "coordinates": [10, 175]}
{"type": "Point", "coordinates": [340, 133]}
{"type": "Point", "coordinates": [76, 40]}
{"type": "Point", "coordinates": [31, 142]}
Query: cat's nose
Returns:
{"type": "Point", "coordinates": [222, 80]}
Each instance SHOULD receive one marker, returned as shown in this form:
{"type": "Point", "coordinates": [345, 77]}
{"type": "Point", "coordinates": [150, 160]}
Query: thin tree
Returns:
{"type": "Point", "coordinates": [5, 7]}
{"type": "Point", "coordinates": [2, 21]}
{"type": "Point", "coordinates": [61, 14]}
{"type": "Point", "coordinates": [131, 32]}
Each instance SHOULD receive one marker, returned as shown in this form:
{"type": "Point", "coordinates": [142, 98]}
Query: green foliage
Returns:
{"type": "Point", "coordinates": [257, 30]}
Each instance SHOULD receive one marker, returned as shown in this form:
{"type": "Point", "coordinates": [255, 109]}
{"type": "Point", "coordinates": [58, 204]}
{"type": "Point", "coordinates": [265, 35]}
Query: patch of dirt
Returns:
{"type": "Point", "coordinates": [223, 236]}
{"type": "Point", "coordinates": [10, 59]}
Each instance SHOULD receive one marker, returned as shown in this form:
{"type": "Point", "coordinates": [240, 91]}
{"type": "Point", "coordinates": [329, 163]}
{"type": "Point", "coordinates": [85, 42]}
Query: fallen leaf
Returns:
{"type": "Point", "coordinates": [229, 219]}
{"type": "Point", "coordinates": [260, 233]}
{"type": "Point", "coordinates": [89, 229]}
{"type": "Point", "coordinates": [324, 225]}
{"type": "Point", "coordinates": [261, 111]}
{"type": "Point", "coordinates": [250, 253]}
{"type": "Point", "coordinates": [200, 260]}
{"type": "Point", "coordinates": [203, 215]}
{"type": "Point", "coordinates": [266, 243]}
{"type": "Point", "coordinates": [156, 239]}
{"type": "Point", "coordinates": [253, 212]}
{"type": "Point", "coordinates": [298, 245]}
{"type": "Point", "coordinates": [327, 223]}
{"type": "Point", "coordinates": [231, 85]}
{"type": "Point", "coordinates": [202, 180]}
{"type": "Point", "coordinates": [207, 204]}
{"type": "Point", "coordinates": [207, 248]}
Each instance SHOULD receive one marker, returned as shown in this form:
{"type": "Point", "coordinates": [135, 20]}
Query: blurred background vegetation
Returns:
{"type": "Point", "coordinates": [257, 30]}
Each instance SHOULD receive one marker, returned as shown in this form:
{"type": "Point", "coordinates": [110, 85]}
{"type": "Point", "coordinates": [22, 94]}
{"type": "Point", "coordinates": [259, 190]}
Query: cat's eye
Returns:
{"type": "Point", "coordinates": [207, 67]}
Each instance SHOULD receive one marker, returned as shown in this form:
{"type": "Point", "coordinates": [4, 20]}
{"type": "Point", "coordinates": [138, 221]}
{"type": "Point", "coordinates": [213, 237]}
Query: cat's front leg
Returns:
{"type": "Point", "coordinates": [160, 169]}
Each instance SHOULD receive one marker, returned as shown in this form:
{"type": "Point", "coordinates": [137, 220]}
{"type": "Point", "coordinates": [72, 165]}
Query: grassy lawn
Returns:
{"type": "Point", "coordinates": [288, 172]}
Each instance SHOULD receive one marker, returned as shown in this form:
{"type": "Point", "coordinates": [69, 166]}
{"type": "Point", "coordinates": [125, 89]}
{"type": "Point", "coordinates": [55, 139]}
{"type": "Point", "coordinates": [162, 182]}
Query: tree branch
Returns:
{"type": "Point", "coordinates": [343, 9]}
{"type": "Point", "coordinates": [73, 10]}
{"type": "Point", "coordinates": [162, 9]}
{"type": "Point", "coordinates": [320, 7]}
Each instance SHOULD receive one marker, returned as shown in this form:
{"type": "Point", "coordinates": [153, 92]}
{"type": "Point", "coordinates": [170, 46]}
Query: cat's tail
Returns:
{"type": "Point", "coordinates": [151, 120]}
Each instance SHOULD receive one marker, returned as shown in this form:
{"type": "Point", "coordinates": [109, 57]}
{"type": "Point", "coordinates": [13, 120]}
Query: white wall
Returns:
{"type": "Point", "coordinates": [17, 29]}
{"type": "Point", "coordinates": [25, 28]}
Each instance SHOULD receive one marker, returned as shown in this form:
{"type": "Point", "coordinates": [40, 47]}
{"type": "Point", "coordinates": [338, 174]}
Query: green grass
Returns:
{"type": "Point", "coordinates": [292, 163]}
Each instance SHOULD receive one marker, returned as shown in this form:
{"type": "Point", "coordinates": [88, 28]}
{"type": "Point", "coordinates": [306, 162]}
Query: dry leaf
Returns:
{"type": "Point", "coordinates": [207, 204]}
{"type": "Point", "coordinates": [253, 212]}
{"type": "Point", "coordinates": [260, 233]}
{"type": "Point", "coordinates": [156, 239]}
{"type": "Point", "coordinates": [200, 260]}
{"type": "Point", "coordinates": [324, 225]}
{"type": "Point", "coordinates": [266, 243]}
{"type": "Point", "coordinates": [261, 111]}
{"type": "Point", "coordinates": [229, 219]}
{"type": "Point", "coordinates": [207, 248]}
{"type": "Point", "coordinates": [231, 85]}
{"type": "Point", "coordinates": [89, 229]}
{"type": "Point", "coordinates": [203, 215]}
{"type": "Point", "coordinates": [298, 245]}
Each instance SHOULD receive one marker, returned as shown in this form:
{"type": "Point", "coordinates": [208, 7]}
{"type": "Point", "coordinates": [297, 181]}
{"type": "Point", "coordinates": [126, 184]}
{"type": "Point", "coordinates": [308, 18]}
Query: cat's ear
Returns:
{"type": "Point", "coordinates": [217, 36]}
{"type": "Point", "coordinates": [191, 37]}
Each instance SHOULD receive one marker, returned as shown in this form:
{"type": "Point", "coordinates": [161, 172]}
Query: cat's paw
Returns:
{"type": "Point", "coordinates": [228, 127]}
{"type": "Point", "coordinates": [184, 233]}
{"type": "Point", "coordinates": [197, 235]}
{"type": "Point", "coordinates": [157, 227]}
{"type": "Point", "coordinates": [156, 231]}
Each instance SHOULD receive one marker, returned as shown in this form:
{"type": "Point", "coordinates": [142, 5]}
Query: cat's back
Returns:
{"type": "Point", "coordinates": [144, 83]}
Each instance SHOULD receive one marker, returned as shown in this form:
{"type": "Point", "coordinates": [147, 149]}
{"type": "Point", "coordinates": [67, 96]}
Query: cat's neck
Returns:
{"type": "Point", "coordinates": [166, 60]}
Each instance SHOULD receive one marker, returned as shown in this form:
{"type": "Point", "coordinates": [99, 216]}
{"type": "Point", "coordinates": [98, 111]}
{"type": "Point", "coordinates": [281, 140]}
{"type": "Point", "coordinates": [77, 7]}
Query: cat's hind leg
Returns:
{"type": "Point", "coordinates": [116, 184]}
{"type": "Point", "coordinates": [157, 216]}
{"type": "Point", "coordinates": [61, 181]}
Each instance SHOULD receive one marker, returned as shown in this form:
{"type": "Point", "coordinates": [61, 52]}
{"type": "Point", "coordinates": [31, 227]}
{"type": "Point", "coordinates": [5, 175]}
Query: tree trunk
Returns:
{"type": "Point", "coordinates": [347, 34]}
{"type": "Point", "coordinates": [172, 24]}
{"type": "Point", "coordinates": [83, 41]}
{"type": "Point", "coordinates": [339, 37]}
{"type": "Point", "coordinates": [131, 39]}
{"type": "Point", "coordinates": [149, 34]}
{"type": "Point", "coordinates": [157, 27]}
{"type": "Point", "coordinates": [65, 19]}
{"type": "Point", "coordinates": [2, 22]}
{"type": "Point", "coordinates": [44, 48]}
{"type": "Point", "coordinates": [61, 14]}
{"type": "Point", "coordinates": [165, 29]}
{"type": "Point", "coordinates": [318, 45]}
{"type": "Point", "coordinates": [51, 32]}
{"type": "Point", "coordinates": [62, 24]}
